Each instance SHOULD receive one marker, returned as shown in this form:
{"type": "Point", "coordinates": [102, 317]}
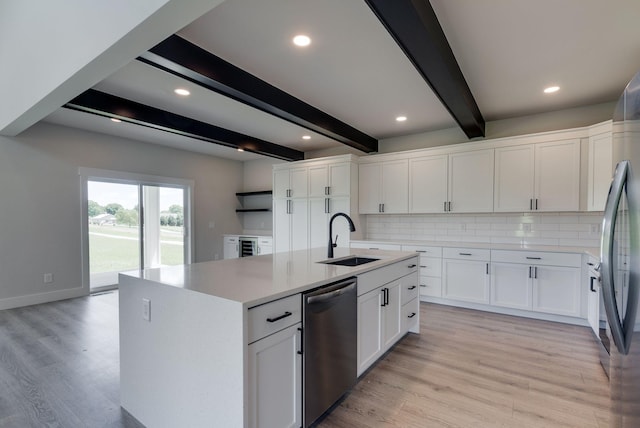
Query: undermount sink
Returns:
{"type": "Point", "coordinates": [349, 261]}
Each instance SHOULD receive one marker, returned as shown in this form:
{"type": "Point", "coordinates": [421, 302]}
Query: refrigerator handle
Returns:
{"type": "Point", "coordinates": [621, 333]}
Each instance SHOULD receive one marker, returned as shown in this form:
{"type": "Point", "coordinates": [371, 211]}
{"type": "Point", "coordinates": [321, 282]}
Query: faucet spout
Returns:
{"type": "Point", "coordinates": [332, 244]}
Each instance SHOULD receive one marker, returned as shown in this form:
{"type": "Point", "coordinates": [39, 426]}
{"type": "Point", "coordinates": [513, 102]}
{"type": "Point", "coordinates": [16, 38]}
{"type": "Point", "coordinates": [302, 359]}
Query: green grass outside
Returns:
{"type": "Point", "coordinates": [112, 254]}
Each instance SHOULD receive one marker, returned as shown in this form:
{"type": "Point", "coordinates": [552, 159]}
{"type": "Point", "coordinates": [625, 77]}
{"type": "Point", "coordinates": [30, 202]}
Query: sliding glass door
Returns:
{"type": "Point", "coordinates": [133, 224]}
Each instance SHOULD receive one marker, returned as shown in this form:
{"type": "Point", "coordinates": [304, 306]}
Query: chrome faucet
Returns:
{"type": "Point", "coordinates": [332, 244]}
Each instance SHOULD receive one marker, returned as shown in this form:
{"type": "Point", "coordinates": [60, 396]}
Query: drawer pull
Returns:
{"type": "Point", "coordinates": [423, 285]}
{"type": "Point", "coordinates": [286, 314]}
{"type": "Point", "coordinates": [534, 258]}
{"type": "Point", "coordinates": [411, 315]}
{"type": "Point", "coordinates": [411, 266]}
{"type": "Point", "coordinates": [465, 254]}
{"type": "Point", "coordinates": [421, 251]}
{"type": "Point", "coordinates": [423, 266]}
{"type": "Point", "coordinates": [413, 287]}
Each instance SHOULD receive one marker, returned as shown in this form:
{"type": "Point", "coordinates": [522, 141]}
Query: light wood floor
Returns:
{"type": "Point", "coordinates": [59, 367]}
{"type": "Point", "coordinates": [476, 369]}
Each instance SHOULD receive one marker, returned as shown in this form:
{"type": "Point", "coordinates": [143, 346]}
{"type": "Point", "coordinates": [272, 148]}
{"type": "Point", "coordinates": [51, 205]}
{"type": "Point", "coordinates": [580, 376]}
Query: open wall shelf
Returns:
{"type": "Point", "coordinates": [249, 194]}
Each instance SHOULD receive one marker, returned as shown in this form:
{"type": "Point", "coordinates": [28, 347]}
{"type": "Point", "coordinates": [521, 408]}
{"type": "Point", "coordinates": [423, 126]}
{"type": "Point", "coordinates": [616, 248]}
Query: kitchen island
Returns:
{"type": "Point", "coordinates": [191, 336]}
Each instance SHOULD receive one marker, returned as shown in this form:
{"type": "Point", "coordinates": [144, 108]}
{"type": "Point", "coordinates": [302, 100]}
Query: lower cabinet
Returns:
{"type": "Point", "coordinates": [379, 324]}
{"type": "Point", "coordinates": [536, 281]}
{"type": "Point", "coordinates": [382, 308]}
{"type": "Point", "coordinates": [275, 380]}
{"type": "Point", "coordinates": [231, 249]}
{"type": "Point", "coordinates": [465, 274]}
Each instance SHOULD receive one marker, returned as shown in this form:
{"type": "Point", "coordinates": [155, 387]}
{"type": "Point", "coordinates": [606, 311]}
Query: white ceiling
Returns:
{"type": "Point", "coordinates": [508, 50]}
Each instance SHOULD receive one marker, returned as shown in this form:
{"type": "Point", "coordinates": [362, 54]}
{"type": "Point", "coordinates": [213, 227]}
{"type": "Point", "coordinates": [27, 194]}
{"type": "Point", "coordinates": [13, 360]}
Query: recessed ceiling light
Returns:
{"type": "Point", "coordinates": [401, 118]}
{"type": "Point", "coordinates": [551, 89]}
{"type": "Point", "coordinates": [306, 137]}
{"type": "Point", "coordinates": [301, 40]}
{"type": "Point", "coordinates": [240, 149]}
{"type": "Point", "coordinates": [113, 119]}
{"type": "Point", "coordinates": [181, 91]}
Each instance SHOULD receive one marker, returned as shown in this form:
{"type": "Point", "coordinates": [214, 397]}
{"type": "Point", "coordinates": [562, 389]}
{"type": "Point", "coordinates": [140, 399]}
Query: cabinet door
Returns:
{"type": "Point", "coordinates": [600, 171]}
{"type": "Point", "coordinates": [395, 187]}
{"type": "Point", "coordinates": [299, 219]}
{"type": "Point", "coordinates": [471, 181]}
{"type": "Point", "coordinates": [392, 327]}
{"type": "Point", "coordinates": [511, 285]}
{"type": "Point", "coordinates": [281, 225]}
{"type": "Point", "coordinates": [428, 184]}
{"type": "Point", "coordinates": [280, 183]}
{"type": "Point", "coordinates": [318, 181]}
{"type": "Point", "coordinates": [593, 309]}
{"type": "Point", "coordinates": [340, 179]}
{"type": "Point", "coordinates": [369, 328]}
{"type": "Point", "coordinates": [369, 190]}
{"type": "Point", "coordinates": [465, 280]}
{"type": "Point", "coordinates": [231, 247]}
{"type": "Point", "coordinates": [556, 290]}
{"type": "Point", "coordinates": [299, 182]}
{"type": "Point", "coordinates": [275, 380]}
{"type": "Point", "coordinates": [514, 178]}
{"type": "Point", "coordinates": [557, 175]}
{"type": "Point", "coordinates": [318, 222]}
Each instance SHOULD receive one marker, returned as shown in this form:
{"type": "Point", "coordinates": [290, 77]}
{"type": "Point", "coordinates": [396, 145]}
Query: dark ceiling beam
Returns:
{"type": "Point", "coordinates": [415, 27]}
{"type": "Point", "coordinates": [188, 61]}
{"type": "Point", "coordinates": [111, 106]}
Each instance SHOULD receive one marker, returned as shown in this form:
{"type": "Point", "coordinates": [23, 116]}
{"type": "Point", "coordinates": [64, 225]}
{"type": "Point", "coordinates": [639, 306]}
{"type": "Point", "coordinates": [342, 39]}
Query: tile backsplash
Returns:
{"type": "Point", "coordinates": [560, 229]}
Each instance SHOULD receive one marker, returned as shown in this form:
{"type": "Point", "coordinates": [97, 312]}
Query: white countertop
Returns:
{"type": "Point", "coordinates": [592, 251]}
{"type": "Point", "coordinates": [259, 279]}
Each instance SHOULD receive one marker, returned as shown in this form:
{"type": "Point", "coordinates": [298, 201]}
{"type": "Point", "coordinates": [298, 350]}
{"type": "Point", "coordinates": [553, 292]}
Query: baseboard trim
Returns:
{"type": "Point", "coordinates": [36, 299]}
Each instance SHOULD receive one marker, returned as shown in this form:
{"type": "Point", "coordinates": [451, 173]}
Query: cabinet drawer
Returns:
{"type": "Point", "coordinates": [265, 241]}
{"type": "Point", "coordinates": [430, 286]}
{"type": "Point", "coordinates": [409, 288]}
{"type": "Point", "coordinates": [430, 266]}
{"type": "Point", "coordinates": [378, 277]}
{"type": "Point", "coordinates": [537, 258]}
{"type": "Point", "coordinates": [425, 251]}
{"type": "Point", "coordinates": [271, 317]}
{"type": "Point", "coordinates": [466, 254]}
{"type": "Point", "coordinates": [410, 314]}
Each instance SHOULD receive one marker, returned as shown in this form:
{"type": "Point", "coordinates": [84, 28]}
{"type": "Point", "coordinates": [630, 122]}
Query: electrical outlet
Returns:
{"type": "Point", "coordinates": [48, 278]}
{"type": "Point", "coordinates": [146, 309]}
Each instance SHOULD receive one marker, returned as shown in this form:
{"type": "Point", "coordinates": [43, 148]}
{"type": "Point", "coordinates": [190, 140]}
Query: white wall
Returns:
{"type": "Point", "coordinates": [40, 202]}
{"type": "Point", "coordinates": [258, 176]}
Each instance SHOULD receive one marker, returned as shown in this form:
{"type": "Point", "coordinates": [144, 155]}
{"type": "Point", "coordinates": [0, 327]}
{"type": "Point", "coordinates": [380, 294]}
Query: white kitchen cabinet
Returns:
{"type": "Point", "coordinates": [536, 281]}
{"type": "Point", "coordinates": [380, 309]}
{"type": "Point", "coordinates": [430, 281]}
{"type": "Point", "coordinates": [290, 224]}
{"type": "Point", "coordinates": [465, 275]}
{"type": "Point", "coordinates": [330, 180]}
{"type": "Point", "coordinates": [275, 380]}
{"type": "Point", "coordinates": [556, 290]}
{"type": "Point", "coordinates": [511, 285]}
{"type": "Point", "coordinates": [600, 171]}
{"type": "Point", "coordinates": [265, 245]}
{"type": "Point", "coordinates": [383, 187]}
{"type": "Point", "coordinates": [458, 182]}
{"type": "Point", "coordinates": [538, 177]}
{"type": "Point", "coordinates": [471, 181]}
{"type": "Point", "coordinates": [231, 247]}
{"type": "Point", "coordinates": [428, 184]}
{"type": "Point", "coordinates": [290, 183]}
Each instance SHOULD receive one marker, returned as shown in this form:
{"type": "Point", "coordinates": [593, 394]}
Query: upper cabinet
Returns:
{"type": "Point", "coordinates": [459, 182]}
{"type": "Point", "coordinates": [330, 180]}
{"type": "Point", "coordinates": [383, 187]}
{"type": "Point", "coordinates": [290, 183]}
{"type": "Point", "coordinates": [538, 177]}
{"type": "Point", "coordinates": [600, 170]}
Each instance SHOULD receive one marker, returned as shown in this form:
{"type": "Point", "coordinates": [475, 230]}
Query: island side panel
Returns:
{"type": "Point", "coordinates": [184, 367]}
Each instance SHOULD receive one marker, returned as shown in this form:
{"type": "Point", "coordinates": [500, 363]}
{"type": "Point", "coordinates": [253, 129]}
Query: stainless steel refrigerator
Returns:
{"type": "Point", "coordinates": [620, 260]}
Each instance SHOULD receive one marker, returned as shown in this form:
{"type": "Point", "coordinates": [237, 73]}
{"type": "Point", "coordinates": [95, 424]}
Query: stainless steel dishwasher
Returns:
{"type": "Point", "coordinates": [330, 332]}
